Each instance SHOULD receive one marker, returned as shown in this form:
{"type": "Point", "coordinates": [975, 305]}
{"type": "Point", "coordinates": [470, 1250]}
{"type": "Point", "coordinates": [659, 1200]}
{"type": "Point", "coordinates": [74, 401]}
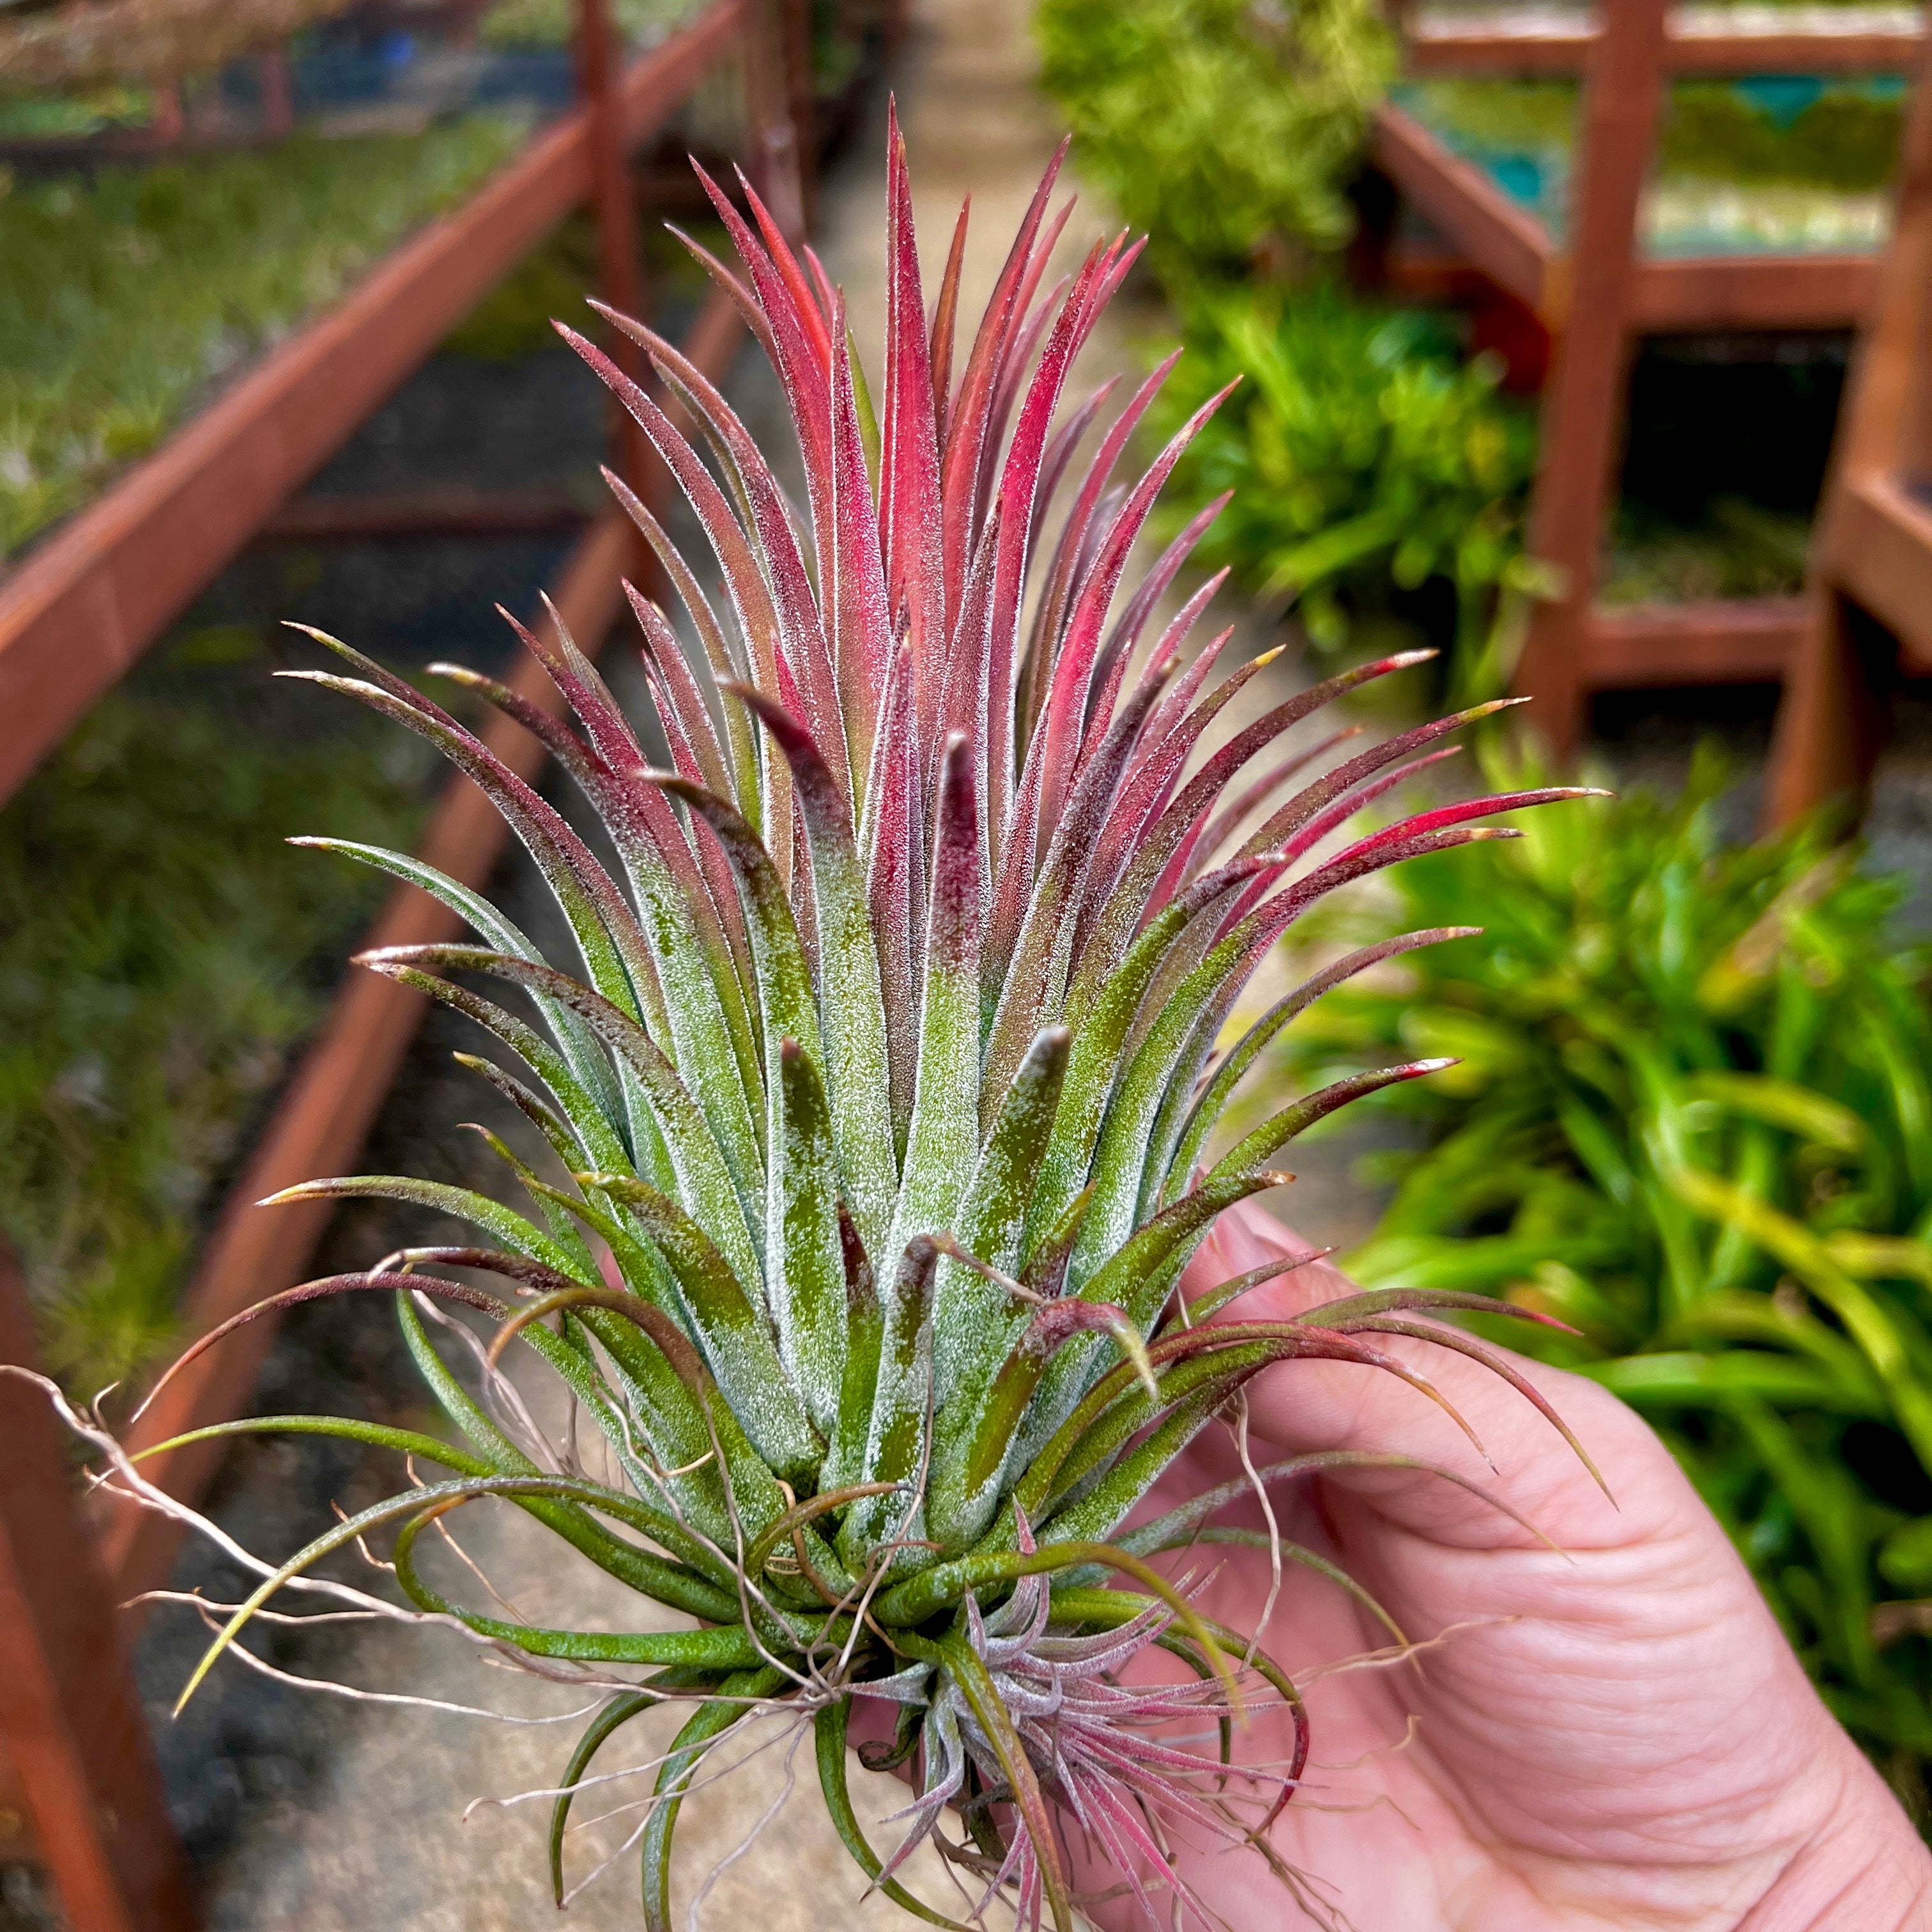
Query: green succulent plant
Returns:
{"type": "Point", "coordinates": [885, 1075]}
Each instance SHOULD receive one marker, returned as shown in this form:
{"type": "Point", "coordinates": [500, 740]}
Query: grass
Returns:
{"type": "Point", "coordinates": [165, 953]}
{"type": "Point", "coordinates": [40, 114]}
{"type": "Point", "coordinates": [1788, 130]}
{"type": "Point", "coordinates": [1777, 162]}
{"type": "Point", "coordinates": [1736, 549]}
{"type": "Point", "coordinates": [127, 297]}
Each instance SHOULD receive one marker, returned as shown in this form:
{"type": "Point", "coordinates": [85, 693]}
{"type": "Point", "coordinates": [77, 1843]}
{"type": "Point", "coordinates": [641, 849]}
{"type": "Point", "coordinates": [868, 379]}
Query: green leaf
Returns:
{"type": "Point", "coordinates": [896, 1442]}
{"type": "Point", "coordinates": [1880, 1331]}
{"type": "Point", "coordinates": [710, 1721]}
{"type": "Point", "coordinates": [521, 1236]}
{"type": "Point", "coordinates": [829, 1729]}
{"type": "Point", "coordinates": [809, 1284]}
{"type": "Point", "coordinates": [734, 1333]}
{"type": "Point", "coordinates": [704, 1176]}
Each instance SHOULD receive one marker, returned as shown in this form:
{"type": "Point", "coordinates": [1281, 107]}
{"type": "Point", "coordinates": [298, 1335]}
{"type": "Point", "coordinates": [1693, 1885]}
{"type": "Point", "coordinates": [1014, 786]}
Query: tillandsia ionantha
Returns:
{"type": "Point", "coordinates": [885, 1080]}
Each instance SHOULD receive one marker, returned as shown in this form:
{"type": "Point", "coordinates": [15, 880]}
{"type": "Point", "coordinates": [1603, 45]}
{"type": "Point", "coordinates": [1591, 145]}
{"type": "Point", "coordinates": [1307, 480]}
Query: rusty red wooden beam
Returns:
{"type": "Point", "coordinates": [1877, 545]}
{"type": "Point", "coordinates": [1734, 641]}
{"type": "Point", "coordinates": [1752, 292]}
{"type": "Point", "coordinates": [71, 1719]}
{"type": "Point", "coordinates": [86, 604]}
{"type": "Point", "coordinates": [620, 265]}
{"type": "Point", "coordinates": [1872, 549]}
{"type": "Point", "coordinates": [1582, 401]}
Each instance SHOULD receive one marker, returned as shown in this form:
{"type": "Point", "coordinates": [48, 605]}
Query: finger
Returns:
{"type": "Point", "coordinates": [1301, 1407]}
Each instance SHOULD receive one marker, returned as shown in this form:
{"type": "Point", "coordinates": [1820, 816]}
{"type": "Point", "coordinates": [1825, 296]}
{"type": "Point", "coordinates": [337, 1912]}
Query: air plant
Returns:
{"type": "Point", "coordinates": [885, 1079]}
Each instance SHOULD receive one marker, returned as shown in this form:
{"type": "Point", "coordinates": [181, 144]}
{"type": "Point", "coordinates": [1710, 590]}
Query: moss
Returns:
{"type": "Point", "coordinates": [164, 954]}
{"type": "Point", "coordinates": [126, 296]}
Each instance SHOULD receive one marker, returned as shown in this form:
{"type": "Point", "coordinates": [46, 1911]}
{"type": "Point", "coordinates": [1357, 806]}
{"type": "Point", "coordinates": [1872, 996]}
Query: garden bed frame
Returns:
{"type": "Point", "coordinates": [1872, 551]}
{"type": "Point", "coordinates": [78, 1785]}
{"type": "Point", "coordinates": [83, 604]}
{"type": "Point", "coordinates": [1594, 297]}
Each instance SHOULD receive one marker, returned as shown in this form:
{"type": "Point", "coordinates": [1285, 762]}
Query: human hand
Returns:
{"type": "Point", "coordinates": [1614, 1735]}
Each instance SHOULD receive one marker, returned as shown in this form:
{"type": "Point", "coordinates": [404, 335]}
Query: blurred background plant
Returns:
{"type": "Point", "coordinates": [164, 953]}
{"type": "Point", "coordinates": [128, 295]}
{"type": "Point", "coordinates": [1226, 129]}
{"type": "Point", "coordinates": [515, 25]}
{"type": "Point", "coordinates": [1691, 1117]}
{"type": "Point", "coordinates": [1365, 452]}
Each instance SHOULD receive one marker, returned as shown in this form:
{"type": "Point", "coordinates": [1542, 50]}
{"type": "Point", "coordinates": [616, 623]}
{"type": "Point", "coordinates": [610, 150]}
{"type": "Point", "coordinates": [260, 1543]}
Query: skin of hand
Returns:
{"type": "Point", "coordinates": [1611, 1733]}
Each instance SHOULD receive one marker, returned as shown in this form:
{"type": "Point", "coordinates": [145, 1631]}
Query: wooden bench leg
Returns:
{"type": "Point", "coordinates": [70, 1719]}
{"type": "Point", "coordinates": [1828, 732]}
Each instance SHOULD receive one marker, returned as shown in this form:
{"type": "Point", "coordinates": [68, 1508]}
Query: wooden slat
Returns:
{"type": "Point", "coordinates": [1743, 640]}
{"type": "Point", "coordinates": [1692, 46]}
{"type": "Point", "coordinates": [1854, 50]}
{"type": "Point", "coordinates": [1754, 292]}
{"type": "Point", "coordinates": [1873, 541]}
{"type": "Point", "coordinates": [84, 606]}
{"type": "Point", "coordinates": [1508, 243]}
{"type": "Point", "coordinates": [1878, 550]}
{"type": "Point", "coordinates": [1582, 401]}
{"type": "Point", "coordinates": [620, 265]}
{"type": "Point", "coordinates": [1676, 297]}
{"type": "Point", "coordinates": [71, 1719]}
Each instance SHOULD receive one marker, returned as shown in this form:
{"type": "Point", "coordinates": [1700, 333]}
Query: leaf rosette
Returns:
{"type": "Point", "coordinates": [886, 1075]}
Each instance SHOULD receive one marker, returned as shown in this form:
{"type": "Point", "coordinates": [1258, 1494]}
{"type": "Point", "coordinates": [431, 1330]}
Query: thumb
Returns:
{"type": "Point", "coordinates": [1301, 1407]}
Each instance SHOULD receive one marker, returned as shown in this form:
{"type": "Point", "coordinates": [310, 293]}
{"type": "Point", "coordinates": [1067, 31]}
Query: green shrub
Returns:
{"type": "Point", "coordinates": [1691, 1116]}
{"type": "Point", "coordinates": [1361, 446]}
{"type": "Point", "coordinates": [161, 959]}
{"type": "Point", "coordinates": [1224, 129]}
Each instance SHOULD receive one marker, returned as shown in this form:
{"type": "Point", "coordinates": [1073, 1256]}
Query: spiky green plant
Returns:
{"type": "Point", "coordinates": [883, 1077]}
